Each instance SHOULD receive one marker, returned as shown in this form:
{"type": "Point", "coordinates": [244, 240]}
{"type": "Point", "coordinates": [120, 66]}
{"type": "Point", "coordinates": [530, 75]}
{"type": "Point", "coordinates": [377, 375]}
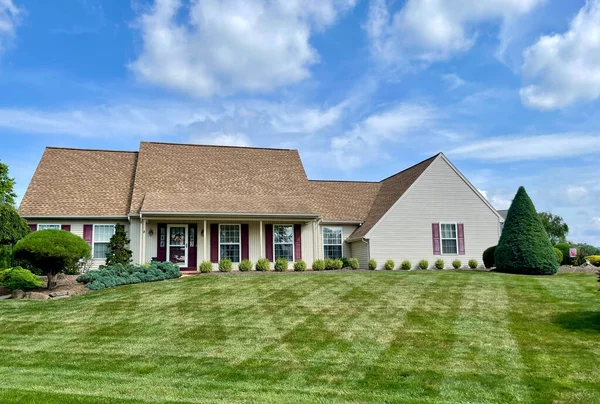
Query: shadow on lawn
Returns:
{"type": "Point", "coordinates": [588, 321]}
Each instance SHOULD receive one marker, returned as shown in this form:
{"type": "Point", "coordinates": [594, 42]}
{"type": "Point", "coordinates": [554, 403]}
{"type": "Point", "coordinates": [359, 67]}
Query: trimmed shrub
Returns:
{"type": "Point", "coordinates": [206, 267]}
{"type": "Point", "coordinates": [19, 278]}
{"type": "Point", "coordinates": [300, 266]}
{"type": "Point", "coordinates": [406, 265]}
{"type": "Point", "coordinates": [389, 265]}
{"type": "Point", "coordinates": [593, 260]}
{"type": "Point", "coordinates": [473, 263]}
{"type": "Point", "coordinates": [524, 246]}
{"type": "Point", "coordinates": [245, 265]}
{"type": "Point", "coordinates": [225, 265]}
{"type": "Point", "coordinates": [439, 263]}
{"type": "Point", "coordinates": [353, 262]}
{"type": "Point", "coordinates": [564, 249]}
{"type": "Point", "coordinates": [488, 257]}
{"type": "Point", "coordinates": [423, 264]}
{"type": "Point", "coordinates": [559, 255]}
{"type": "Point", "coordinates": [338, 264]}
{"type": "Point", "coordinates": [345, 262]}
{"type": "Point", "coordinates": [120, 274]}
{"type": "Point", "coordinates": [372, 264]}
{"type": "Point", "coordinates": [331, 264]}
{"type": "Point", "coordinates": [456, 264]}
{"type": "Point", "coordinates": [263, 265]}
{"type": "Point", "coordinates": [318, 265]}
{"type": "Point", "coordinates": [281, 264]}
{"type": "Point", "coordinates": [118, 252]}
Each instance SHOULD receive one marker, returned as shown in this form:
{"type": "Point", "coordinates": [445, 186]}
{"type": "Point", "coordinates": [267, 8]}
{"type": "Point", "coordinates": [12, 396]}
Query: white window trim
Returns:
{"type": "Point", "coordinates": [323, 238]}
{"type": "Point", "coordinates": [48, 224]}
{"type": "Point", "coordinates": [238, 243]}
{"type": "Point", "coordinates": [441, 238]}
{"type": "Point", "coordinates": [94, 237]}
{"type": "Point", "coordinates": [293, 241]}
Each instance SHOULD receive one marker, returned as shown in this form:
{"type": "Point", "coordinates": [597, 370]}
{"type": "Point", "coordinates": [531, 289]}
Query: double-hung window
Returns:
{"type": "Point", "coordinates": [48, 226]}
{"type": "Point", "coordinates": [283, 241]}
{"type": "Point", "coordinates": [449, 238]}
{"type": "Point", "coordinates": [102, 235]}
{"type": "Point", "coordinates": [332, 242]}
{"type": "Point", "coordinates": [229, 242]}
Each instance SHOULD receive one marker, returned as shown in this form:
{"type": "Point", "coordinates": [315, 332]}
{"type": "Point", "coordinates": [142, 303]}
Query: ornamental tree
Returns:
{"type": "Point", "coordinates": [118, 252]}
{"type": "Point", "coordinates": [524, 246]}
{"type": "Point", "coordinates": [555, 226]}
{"type": "Point", "coordinates": [12, 226]}
{"type": "Point", "coordinates": [7, 185]}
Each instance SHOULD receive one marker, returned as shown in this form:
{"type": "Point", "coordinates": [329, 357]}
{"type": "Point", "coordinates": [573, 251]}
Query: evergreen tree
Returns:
{"type": "Point", "coordinates": [524, 246]}
{"type": "Point", "coordinates": [118, 251]}
{"type": "Point", "coordinates": [7, 184]}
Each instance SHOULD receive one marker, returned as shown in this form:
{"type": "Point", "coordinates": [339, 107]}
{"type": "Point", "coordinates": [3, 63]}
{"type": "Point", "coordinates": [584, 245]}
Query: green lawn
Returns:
{"type": "Point", "coordinates": [419, 336]}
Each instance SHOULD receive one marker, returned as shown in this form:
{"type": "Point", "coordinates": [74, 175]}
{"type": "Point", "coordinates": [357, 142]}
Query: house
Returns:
{"type": "Point", "coordinates": [190, 203]}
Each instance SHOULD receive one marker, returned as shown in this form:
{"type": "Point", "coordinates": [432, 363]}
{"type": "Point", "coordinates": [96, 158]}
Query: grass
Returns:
{"type": "Point", "coordinates": [419, 336]}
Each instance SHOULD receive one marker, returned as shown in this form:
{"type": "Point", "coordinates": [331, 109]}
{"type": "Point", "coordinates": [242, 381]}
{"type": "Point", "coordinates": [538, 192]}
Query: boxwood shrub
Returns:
{"type": "Point", "coordinates": [300, 266]}
{"type": "Point", "coordinates": [353, 262]}
{"type": "Point", "coordinates": [389, 265]}
{"type": "Point", "coordinates": [318, 265]}
{"type": "Point", "coordinates": [488, 257]}
{"type": "Point", "coordinates": [245, 265]}
{"type": "Point", "coordinates": [423, 264]}
{"type": "Point", "coordinates": [225, 265]}
{"type": "Point", "coordinates": [372, 264]}
{"type": "Point", "coordinates": [456, 264]}
{"type": "Point", "coordinates": [559, 255]}
{"type": "Point", "coordinates": [120, 274]}
{"type": "Point", "coordinates": [473, 263]}
{"type": "Point", "coordinates": [406, 265]}
{"type": "Point", "coordinates": [439, 263]}
{"type": "Point", "coordinates": [206, 267]}
{"type": "Point", "coordinates": [281, 264]}
{"type": "Point", "coordinates": [331, 264]}
{"type": "Point", "coordinates": [19, 278]}
{"type": "Point", "coordinates": [263, 265]}
{"type": "Point", "coordinates": [566, 257]}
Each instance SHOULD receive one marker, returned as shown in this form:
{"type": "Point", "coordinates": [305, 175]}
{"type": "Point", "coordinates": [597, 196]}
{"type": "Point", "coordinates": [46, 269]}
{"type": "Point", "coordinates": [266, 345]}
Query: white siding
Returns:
{"type": "Point", "coordinates": [439, 195]}
{"type": "Point", "coordinates": [134, 236]}
{"type": "Point", "coordinates": [347, 230]}
{"type": "Point", "coordinates": [360, 250]}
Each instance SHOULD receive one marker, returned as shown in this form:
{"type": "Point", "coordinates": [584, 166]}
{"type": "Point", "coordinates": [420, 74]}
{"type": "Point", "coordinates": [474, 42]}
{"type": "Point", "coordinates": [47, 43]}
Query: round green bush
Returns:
{"type": "Point", "coordinates": [281, 264]}
{"type": "Point", "coordinates": [372, 264]}
{"type": "Point", "coordinates": [473, 263]}
{"type": "Point", "coordinates": [245, 265]}
{"type": "Point", "coordinates": [263, 265]}
{"type": "Point", "coordinates": [225, 265]}
{"type": "Point", "coordinates": [19, 278]}
{"type": "Point", "coordinates": [406, 265]}
{"type": "Point", "coordinates": [338, 264]}
{"type": "Point", "coordinates": [559, 255]}
{"type": "Point", "coordinates": [593, 260]}
{"type": "Point", "coordinates": [456, 264]}
{"type": "Point", "coordinates": [353, 262]}
{"type": "Point", "coordinates": [439, 263]}
{"type": "Point", "coordinates": [488, 257]}
{"type": "Point", "coordinates": [300, 266]}
{"type": "Point", "coordinates": [318, 265]}
{"type": "Point", "coordinates": [389, 265]}
{"type": "Point", "coordinates": [423, 264]}
{"type": "Point", "coordinates": [565, 250]}
{"type": "Point", "coordinates": [206, 267]}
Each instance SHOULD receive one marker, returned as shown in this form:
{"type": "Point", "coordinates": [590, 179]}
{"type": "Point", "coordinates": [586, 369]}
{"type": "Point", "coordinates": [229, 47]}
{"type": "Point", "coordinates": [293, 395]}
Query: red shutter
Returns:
{"type": "Point", "coordinates": [192, 245]}
{"type": "Point", "coordinates": [269, 241]}
{"type": "Point", "coordinates": [33, 227]}
{"type": "Point", "coordinates": [297, 242]}
{"type": "Point", "coordinates": [161, 242]}
{"type": "Point", "coordinates": [88, 233]}
{"type": "Point", "coordinates": [435, 230]}
{"type": "Point", "coordinates": [214, 243]}
{"type": "Point", "coordinates": [245, 242]}
{"type": "Point", "coordinates": [65, 227]}
{"type": "Point", "coordinates": [461, 238]}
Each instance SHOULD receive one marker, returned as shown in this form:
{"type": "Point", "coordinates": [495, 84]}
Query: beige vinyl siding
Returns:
{"type": "Point", "coordinates": [439, 195]}
{"type": "Point", "coordinates": [347, 230]}
{"type": "Point", "coordinates": [134, 236]}
{"type": "Point", "coordinates": [360, 250]}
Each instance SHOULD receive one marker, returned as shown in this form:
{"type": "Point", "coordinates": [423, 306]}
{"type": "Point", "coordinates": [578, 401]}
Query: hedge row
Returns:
{"type": "Point", "coordinates": [119, 274]}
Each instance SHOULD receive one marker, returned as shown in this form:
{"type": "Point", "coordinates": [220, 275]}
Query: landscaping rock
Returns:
{"type": "Point", "coordinates": [4, 297]}
{"type": "Point", "coordinates": [18, 294]}
{"type": "Point", "coordinates": [36, 295]}
{"type": "Point", "coordinates": [60, 297]}
{"type": "Point", "coordinates": [60, 294]}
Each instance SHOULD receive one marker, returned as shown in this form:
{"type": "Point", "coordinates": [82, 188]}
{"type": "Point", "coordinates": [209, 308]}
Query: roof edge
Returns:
{"type": "Point", "coordinates": [218, 146]}
{"type": "Point", "coordinates": [95, 150]}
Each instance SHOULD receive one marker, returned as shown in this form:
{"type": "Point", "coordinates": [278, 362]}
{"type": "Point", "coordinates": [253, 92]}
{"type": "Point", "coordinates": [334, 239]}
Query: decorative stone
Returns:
{"type": "Point", "coordinates": [4, 297]}
{"type": "Point", "coordinates": [18, 294]}
{"type": "Point", "coordinates": [59, 294]}
{"type": "Point", "coordinates": [60, 297]}
{"type": "Point", "coordinates": [36, 295]}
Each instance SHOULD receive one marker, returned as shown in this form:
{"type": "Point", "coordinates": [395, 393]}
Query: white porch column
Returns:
{"type": "Point", "coordinates": [144, 226]}
{"type": "Point", "coordinates": [261, 239]}
{"type": "Point", "coordinates": [204, 235]}
{"type": "Point", "coordinates": [316, 251]}
{"type": "Point", "coordinates": [140, 256]}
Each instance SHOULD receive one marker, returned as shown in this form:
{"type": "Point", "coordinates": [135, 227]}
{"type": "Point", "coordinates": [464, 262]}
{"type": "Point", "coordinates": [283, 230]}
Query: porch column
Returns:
{"type": "Point", "coordinates": [144, 235]}
{"type": "Point", "coordinates": [204, 235]}
{"type": "Point", "coordinates": [140, 256]}
{"type": "Point", "coordinates": [316, 250]}
{"type": "Point", "coordinates": [261, 239]}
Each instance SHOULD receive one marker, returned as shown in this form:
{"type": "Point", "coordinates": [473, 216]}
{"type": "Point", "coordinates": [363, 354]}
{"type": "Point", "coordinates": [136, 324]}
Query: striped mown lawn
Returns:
{"type": "Point", "coordinates": [419, 336]}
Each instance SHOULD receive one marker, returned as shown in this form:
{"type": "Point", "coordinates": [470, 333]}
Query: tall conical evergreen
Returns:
{"type": "Point", "coordinates": [118, 252]}
{"type": "Point", "coordinates": [524, 247]}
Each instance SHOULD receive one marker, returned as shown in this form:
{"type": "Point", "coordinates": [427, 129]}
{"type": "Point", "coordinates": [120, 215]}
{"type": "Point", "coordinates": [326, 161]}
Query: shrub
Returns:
{"type": "Point", "coordinates": [473, 263]}
{"type": "Point", "coordinates": [524, 246]}
{"type": "Point", "coordinates": [300, 266]}
{"type": "Point", "coordinates": [281, 264]}
{"type": "Point", "coordinates": [559, 255]}
{"type": "Point", "coordinates": [439, 263]}
{"type": "Point", "coordinates": [245, 265]}
{"type": "Point", "coordinates": [353, 263]}
{"type": "Point", "coordinates": [206, 267]}
{"type": "Point", "coordinates": [345, 262]}
{"type": "Point", "coordinates": [338, 264]}
{"type": "Point", "coordinates": [263, 265]}
{"type": "Point", "coordinates": [593, 260]}
{"type": "Point", "coordinates": [389, 265]}
{"type": "Point", "coordinates": [456, 264]}
{"type": "Point", "coordinates": [19, 278]}
{"type": "Point", "coordinates": [331, 264]}
{"type": "Point", "coordinates": [119, 274]}
{"type": "Point", "coordinates": [488, 257]}
{"type": "Point", "coordinates": [423, 264]}
{"type": "Point", "coordinates": [372, 264]}
{"type": "Point", "coordinates": [565, 250]}
{"type": "Point", "coordinates": [318, 265]}
{"type": "Point", "coordinates": [52, 251]}
{"type": "Point", "coordinates": [12, 226]}
{"type": "Point", "coordinates": [118, 252]}
{"type": "Point", "coordinates": [225, 265]}
{"type": "Point", "coordinates": [406, 265]}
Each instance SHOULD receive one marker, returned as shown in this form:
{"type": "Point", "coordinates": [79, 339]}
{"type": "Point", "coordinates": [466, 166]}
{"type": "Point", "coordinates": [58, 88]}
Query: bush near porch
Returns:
{"type": "Point", "coordinates": [120, 274]}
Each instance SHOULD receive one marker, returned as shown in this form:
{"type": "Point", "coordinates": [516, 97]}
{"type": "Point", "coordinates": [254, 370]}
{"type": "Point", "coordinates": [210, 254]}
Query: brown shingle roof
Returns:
{"type": "Point", "coordinates": [76, 182]}
{"type": "Point", "coordinates": [343, 200]}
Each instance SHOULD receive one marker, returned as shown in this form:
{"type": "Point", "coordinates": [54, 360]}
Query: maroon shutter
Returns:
{"type": "Point", "coordinates": [435, 230]}
{"type": "Point", "coordinates": [245, 242]}
{"type": "Point", "coordinates": [214, 243]}
{"type": "Point", "coordinates": [297, 242]}
{"type": "Point", "coordinates": [192, 245]}
{"type": "Point", "coordinates": [88, 233]}
{"type": "Point", "coordinates": [33, 227]}
{"type": "Point", "coordinates": [161, 242]}
{"type": "Point", "coordinates": [461, 238]}
{"type": "Point", "coordinates": [65, 227]}
{"type": "Point", "coordinates": [269, 241]}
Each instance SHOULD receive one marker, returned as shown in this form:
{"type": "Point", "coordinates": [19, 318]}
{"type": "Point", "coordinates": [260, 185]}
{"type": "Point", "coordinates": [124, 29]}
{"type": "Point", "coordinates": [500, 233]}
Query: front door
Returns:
{"type": "Point", "coordinates": [177, 244]}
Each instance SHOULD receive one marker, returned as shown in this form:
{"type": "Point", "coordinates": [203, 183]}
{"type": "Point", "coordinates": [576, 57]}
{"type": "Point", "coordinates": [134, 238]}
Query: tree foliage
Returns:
{"type": "Point", "coordinates": [118, 252]}
{"type": "Point", "coordinates": [555, 226]}
{"type": "Point", "coordinates": [524, 246]}
{"type": "Point", "coordinates": [7, 185]}
{"type": "Point", "coordinates": [12, 226]}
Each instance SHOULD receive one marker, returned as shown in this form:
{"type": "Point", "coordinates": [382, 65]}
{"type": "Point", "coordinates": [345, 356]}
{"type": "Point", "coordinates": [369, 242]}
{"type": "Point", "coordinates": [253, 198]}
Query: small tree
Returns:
{"type": "Point", "coordinates": [118, 253]}
{"type": "Point", "coordinates": [52, 251]}
{"type": "Point", "coordinates": [555, 226]}
{"type": "Point", "coordinates": [7, 184]}
{"type": "Point", "coordinates": [12, 226]}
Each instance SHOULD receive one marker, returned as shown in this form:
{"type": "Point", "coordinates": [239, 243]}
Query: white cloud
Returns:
{"type": "Point", "coordinates": [222, 139]}
{"type": "Point", "coordinates": [453, 81]}
{"type": "Point", "coordinates": [220, 46]}
{"type": "Point", "coordinates": [563, 69]}
{"type": "Point", "coordinates": [9, 15]}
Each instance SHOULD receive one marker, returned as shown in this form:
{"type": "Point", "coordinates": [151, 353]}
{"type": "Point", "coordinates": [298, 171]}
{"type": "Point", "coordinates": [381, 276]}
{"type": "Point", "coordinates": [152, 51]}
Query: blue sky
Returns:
{"type": "Point", "coordinates": [508, 89]}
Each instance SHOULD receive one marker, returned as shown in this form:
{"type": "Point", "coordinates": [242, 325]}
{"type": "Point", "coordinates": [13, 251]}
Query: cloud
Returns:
{"type": "Point", "coordinates": [9, 17]}
{"type": "Point", "coordinates": [453, 81]}
{"type": "Point", "coordinates": [563, 69]}
{"type": "Point", "coordinates": [216, 47]}
{"type": "Point", "coordinates": [428, 31]}
{"type": "Point", "coordinates": [222, 139]}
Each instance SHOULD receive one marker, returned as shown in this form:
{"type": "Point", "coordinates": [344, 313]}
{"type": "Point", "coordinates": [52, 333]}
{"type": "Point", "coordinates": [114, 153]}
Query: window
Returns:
{"type": "Point", "coordinates": [448, 238]}
{"type": "Point", "coordinates": [229, 242]}
{"type": "Point", "coordinates": [332, 242]}
{"type": "Point", "coordinates": [48, 226]}
{"type": "Point", "coordinates": [283, 241]}
{"type": "Point", "coordinates": [102, 235]}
